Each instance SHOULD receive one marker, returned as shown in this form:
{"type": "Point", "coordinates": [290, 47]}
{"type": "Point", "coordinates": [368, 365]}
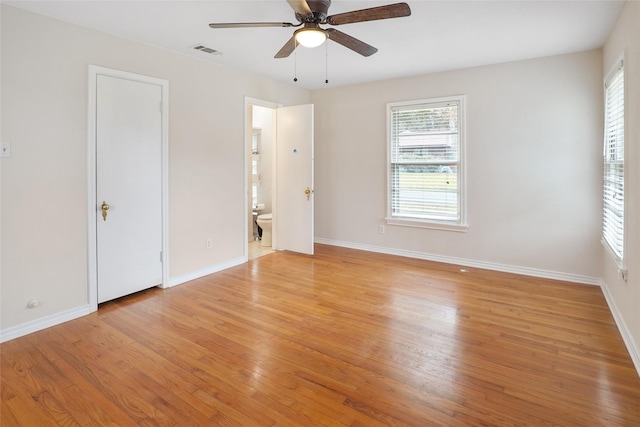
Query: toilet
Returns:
{"type": "Point", "coordinates": [264, 222]}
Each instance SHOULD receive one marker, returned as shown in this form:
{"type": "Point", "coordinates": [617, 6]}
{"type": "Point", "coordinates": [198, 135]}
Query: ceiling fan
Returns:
{"type": "Point", "coordinates": [310, 14]}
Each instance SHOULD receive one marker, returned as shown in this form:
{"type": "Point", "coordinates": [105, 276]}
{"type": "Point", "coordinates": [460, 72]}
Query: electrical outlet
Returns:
{"type": "Point", "coordinates": [381, 229]}
{"type": "Point", "coordinates": [209, 243]}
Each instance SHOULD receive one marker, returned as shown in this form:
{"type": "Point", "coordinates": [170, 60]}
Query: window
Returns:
{"type": "Point", "coordinates": [613, 192]}
{"type": "Point", "coordinates": [426, 170]}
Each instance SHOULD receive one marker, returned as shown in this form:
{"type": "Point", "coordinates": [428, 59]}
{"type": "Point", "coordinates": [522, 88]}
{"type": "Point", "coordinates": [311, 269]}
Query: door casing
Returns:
{"type": "Point", "coordinates": [92, 202]}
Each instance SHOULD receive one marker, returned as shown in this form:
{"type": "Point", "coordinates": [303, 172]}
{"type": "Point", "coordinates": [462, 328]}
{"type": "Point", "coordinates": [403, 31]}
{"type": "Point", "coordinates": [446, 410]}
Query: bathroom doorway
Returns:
{"type": "Point", "coordinates": [260, 164]}
{"type": "Point", "coordinates": [279, 178]}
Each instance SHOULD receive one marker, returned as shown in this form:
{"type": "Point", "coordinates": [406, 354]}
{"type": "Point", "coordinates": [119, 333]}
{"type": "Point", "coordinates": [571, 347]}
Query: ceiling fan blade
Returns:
{"type": "Point", "coordinates": [287, 49]}
{"type": "Point", "coordinates": [300, 7]}
{"type": "Point", "coordinates": [350, 42]}
{"type": "Point", "coordinates": [396, 10]}
{"type": "Point", "coordinates": [252, 24]}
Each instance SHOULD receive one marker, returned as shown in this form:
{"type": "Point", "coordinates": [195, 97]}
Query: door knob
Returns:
{"type": "Point", "coordinates": [105, 208]}
{"type": "Point", "coordinates": [307, 192]}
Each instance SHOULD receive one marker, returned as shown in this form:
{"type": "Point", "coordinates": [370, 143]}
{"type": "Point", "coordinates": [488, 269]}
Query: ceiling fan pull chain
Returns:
{"type": "Point", "coordinates": [326, 63]}
{"type": "Point", "coordinates": [295, 63]}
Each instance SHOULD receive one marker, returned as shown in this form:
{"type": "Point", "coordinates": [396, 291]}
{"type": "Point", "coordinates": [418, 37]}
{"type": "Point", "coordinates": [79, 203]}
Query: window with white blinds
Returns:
{"type": "Point", "coordinates": [613, 193]}
{"type": "Point", "coordinates": [426, 142]}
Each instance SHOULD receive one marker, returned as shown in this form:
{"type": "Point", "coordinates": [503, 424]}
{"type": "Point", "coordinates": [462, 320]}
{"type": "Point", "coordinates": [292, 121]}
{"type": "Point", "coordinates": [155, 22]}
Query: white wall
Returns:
{"type": "Point", "coordinates": [44, 183]}
{"type": "Point", "coordinates": [534, 131]}
{"type": "Point", "coordinates": [624, 297]}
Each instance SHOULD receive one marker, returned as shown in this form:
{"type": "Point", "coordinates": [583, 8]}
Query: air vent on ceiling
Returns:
{"type": "Point", "coordinates": [206, 49]}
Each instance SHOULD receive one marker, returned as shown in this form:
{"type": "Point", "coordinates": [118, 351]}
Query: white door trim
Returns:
{"type": "Point", "coordinates": [92, 212]}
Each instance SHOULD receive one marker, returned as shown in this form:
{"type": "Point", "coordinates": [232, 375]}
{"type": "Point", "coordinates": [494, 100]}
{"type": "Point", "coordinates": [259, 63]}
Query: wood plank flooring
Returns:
{"type": "Point", "coordinates": [343, 338]}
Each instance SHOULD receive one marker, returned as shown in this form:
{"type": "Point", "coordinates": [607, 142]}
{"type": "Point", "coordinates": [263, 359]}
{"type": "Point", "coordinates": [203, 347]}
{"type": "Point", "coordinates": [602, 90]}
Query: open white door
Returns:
{"type": "Point", "coordinates": [293, 219]}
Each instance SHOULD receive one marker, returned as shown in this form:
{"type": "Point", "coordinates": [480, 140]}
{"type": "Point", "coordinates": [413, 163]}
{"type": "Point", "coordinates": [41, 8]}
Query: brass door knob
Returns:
{"type": "Point", "coordinates": [105, 208]}
{"type": "Point", "coordinates": [307, 192]}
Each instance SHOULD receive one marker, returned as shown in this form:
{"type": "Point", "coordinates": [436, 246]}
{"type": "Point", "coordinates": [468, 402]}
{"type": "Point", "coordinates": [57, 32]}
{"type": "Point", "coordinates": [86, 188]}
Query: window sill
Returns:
{"type": "Point", "coordinates": [433, 225]}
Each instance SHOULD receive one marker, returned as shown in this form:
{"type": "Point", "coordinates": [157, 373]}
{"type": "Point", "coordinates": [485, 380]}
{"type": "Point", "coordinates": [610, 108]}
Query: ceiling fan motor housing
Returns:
{"type": "Point", "coordinates": [319, 9]}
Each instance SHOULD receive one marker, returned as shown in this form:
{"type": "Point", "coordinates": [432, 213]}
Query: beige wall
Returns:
{"type": "Point", "coordinates": [534, 131]}
{"type": "Point", "coordinates": [625, 296]}
{"type": "Point", "coordinates": [44, 183]}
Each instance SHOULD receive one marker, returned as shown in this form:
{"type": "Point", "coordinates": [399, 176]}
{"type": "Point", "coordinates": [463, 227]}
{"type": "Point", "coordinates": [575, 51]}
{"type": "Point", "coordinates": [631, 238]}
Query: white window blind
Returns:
{"type": "Point", "coordinates": [425, 160]}
{"type": "Point", "coordinates": [613, 194]}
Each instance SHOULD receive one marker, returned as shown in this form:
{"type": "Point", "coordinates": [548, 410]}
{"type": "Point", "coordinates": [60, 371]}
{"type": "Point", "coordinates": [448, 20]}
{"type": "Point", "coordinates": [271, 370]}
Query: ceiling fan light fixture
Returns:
{"type": "Point", "coordinates": [310, 37]}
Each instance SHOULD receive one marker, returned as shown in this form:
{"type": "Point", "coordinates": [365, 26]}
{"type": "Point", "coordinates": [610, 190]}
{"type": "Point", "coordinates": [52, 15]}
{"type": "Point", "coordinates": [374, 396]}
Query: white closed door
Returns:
{"type": "Point", "coordinates": [294, 179]}
{"type": "Point", "coordinates": [128, 186]}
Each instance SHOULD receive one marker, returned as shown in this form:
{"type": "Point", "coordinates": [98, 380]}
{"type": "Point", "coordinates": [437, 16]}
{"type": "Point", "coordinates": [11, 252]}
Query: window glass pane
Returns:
{"type": "Point", "coordinates": [613, 186]}
{"type": "Point", "coordinates": [254, 194]}
{"type": "Point", "coordinates": [426, 191]}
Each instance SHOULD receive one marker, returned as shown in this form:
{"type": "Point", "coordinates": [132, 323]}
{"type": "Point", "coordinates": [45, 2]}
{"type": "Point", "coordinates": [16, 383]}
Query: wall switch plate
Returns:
{"type": "Point", "coordinates": [5, 149]}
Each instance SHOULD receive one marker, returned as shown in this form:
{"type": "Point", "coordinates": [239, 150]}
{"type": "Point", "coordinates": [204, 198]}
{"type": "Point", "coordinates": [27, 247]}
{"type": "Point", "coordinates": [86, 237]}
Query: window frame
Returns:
{"type": "Point", "coordinates": [617, 256]}
{"type": "Point", "coordinates": [461, 224]}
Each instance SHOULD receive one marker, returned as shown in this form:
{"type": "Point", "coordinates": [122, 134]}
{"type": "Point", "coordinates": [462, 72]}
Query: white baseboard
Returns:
{"type": "Point", "coordinates": [43, 323]}
{"type": "Point", "coordinates": [632, 346]}
{"type": "Point", "coordinates": [178, 280]}
{"type": "Point", "coordinates": [526, 271]}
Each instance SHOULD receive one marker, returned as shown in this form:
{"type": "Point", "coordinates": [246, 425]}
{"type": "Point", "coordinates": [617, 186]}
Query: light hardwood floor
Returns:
{"type": "Point", "coordinates": [343, 338]}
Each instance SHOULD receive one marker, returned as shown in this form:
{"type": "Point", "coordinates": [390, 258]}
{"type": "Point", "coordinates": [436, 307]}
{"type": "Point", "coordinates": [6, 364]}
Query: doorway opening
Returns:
{"type": "Point", "coordinates": [261, 144]}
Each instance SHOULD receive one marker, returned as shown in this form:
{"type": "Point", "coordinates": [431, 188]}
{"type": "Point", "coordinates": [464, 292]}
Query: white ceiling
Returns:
{"type": "Point", "coordinates": [438, 36]}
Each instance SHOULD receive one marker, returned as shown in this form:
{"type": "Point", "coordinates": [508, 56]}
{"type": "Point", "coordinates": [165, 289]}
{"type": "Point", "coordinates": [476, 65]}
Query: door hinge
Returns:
{"type": "Point", "coordinates": [160, 256]}
{"type": "Point", "coordinates": [160, 104]}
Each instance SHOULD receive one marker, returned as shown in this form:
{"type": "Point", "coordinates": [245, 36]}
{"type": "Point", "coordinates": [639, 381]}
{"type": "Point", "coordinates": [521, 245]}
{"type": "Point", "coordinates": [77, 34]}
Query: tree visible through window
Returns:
{"type": "Point", "coordinates": [425, 160]}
